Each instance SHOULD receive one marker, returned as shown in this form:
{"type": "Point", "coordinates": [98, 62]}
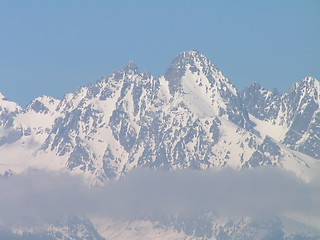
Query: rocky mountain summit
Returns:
{"type": "Point", "coordinates": [192, 117]}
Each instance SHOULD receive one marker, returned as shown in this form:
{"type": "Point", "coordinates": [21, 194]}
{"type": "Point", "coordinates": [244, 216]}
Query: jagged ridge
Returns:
{"type": "Point", "coordinates": [192, 117]}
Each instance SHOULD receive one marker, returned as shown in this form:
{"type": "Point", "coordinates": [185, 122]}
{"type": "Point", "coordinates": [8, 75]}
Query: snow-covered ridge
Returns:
{"type": "Point", "coordinates": [7, 106]}
{"type": "Point", "coordinates": [192, 117]}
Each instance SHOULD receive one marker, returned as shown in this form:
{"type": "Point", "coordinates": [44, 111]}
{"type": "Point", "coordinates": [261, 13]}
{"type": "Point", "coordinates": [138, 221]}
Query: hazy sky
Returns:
{"type": "Point", "coordinates": [53, 47]}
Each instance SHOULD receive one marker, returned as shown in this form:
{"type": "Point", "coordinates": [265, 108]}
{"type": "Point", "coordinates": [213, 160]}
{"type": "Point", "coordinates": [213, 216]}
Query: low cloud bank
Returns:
{"type": "Point", "coordinates": [37, 197]}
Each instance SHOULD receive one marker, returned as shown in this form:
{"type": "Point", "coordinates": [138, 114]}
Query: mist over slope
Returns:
{"type": "Point", "coordinates": [183, 127]}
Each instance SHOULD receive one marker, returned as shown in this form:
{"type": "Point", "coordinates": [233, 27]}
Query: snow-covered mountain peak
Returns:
{"type": "Point", "coordinates": [194, 66]}
{"type": "Point", "coordinates": [2, 97]}
{"type": "Point", "coordinates": [308, 84]}
{"type": "Point", "coordinates": [191, 56]}
{"type": "Point", "coordinates": [7, 106]}
{"type": "Point", "coordinates": [311, 86]}
{"type": "Point", "coordinates": [190, 118]}
{"type": "Point", "coordinates": [127, 73]}
{"type": "Point", "coordinates": [308, 90]}
{"type": "Point", "coordinates": [130, 68]}
{"type": "Point", "coordinates": [43, 104]}
{"type": "Point", "coordinates": [105, 129]}
{"type": "Point", "coordinates": [255, 88]}
{"type": "Point", "coordinates": [192, 60]}
{"type": "Point", "coordinates": [310, 81]}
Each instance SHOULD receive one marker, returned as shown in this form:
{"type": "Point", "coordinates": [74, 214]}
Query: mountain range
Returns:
{"type": "Point", "coordinates": [190, 118]}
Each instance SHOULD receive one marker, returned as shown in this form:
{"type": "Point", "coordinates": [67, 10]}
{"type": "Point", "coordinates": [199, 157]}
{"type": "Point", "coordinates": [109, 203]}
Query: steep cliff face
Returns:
{"type": "Point", "coordinates": [192, 117]}
{"type": "Point", "coordinates": [295, 114]}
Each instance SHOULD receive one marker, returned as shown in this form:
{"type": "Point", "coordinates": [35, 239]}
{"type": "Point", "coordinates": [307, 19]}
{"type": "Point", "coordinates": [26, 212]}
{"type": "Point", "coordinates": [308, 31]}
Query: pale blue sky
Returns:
{"type": "Point", "coordinates": [53, 47]}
